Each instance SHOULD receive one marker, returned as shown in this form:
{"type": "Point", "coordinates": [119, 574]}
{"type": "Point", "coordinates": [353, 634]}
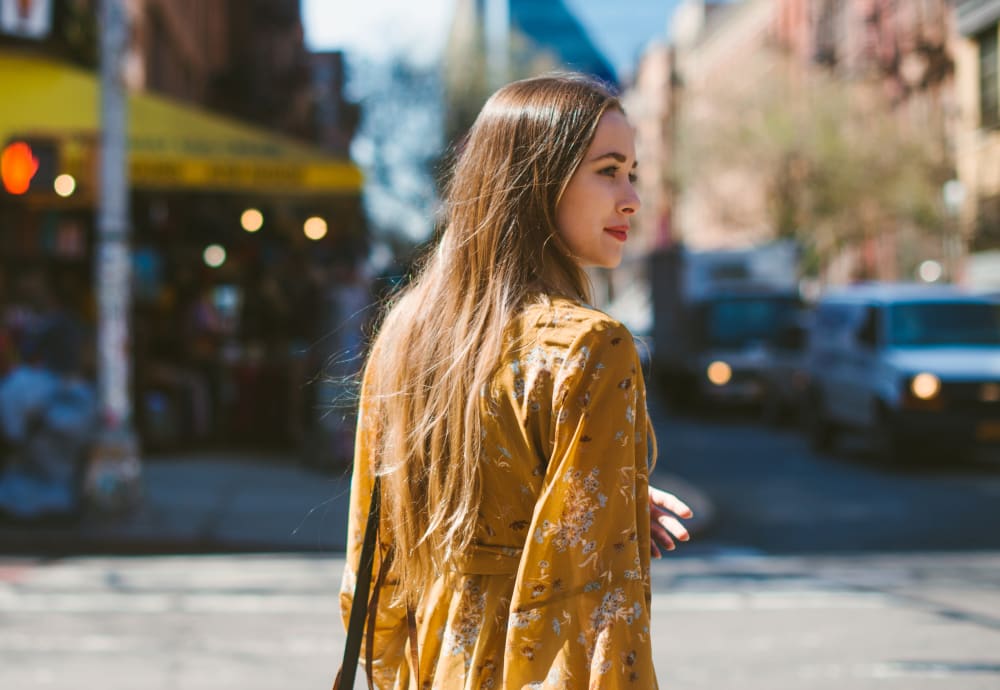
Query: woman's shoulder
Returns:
{"type": "Point", "coordinates": [562, 321]}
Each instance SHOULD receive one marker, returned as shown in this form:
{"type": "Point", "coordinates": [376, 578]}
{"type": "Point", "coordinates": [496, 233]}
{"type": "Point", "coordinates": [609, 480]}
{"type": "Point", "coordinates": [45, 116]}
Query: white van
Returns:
{"type": "Point", "coordinates": [913, 366]}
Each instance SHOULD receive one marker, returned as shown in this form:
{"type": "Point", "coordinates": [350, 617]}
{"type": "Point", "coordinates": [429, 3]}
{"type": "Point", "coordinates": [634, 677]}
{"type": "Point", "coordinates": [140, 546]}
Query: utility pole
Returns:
{"type": "Point", "coordinates": [112, 482]}
{"type": "Point", "coordinates": [953, 195]}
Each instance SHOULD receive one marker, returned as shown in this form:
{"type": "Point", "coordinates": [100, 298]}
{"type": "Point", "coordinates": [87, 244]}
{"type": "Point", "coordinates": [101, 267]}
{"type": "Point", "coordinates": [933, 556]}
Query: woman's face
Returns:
{"type": "Point", "coordinates": [593, 215]}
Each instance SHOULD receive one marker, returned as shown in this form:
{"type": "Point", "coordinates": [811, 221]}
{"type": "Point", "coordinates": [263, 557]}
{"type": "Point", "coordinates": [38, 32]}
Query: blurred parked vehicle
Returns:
{"type": "Point", "coordinates": [915, 367]}
{"type": "Point", "coordinates": [784, 373]}
{"type": "Point", "coordinates": [713, 313]}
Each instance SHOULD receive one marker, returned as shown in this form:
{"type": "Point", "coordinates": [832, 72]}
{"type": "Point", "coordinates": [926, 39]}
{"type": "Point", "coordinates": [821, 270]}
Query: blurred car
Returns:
{"type": "Point", "coordinates": [915, 367]}
{"type": "Point", "coordinates": [784, 373]}
{"type": "Point", "coordinates": [733, 331]}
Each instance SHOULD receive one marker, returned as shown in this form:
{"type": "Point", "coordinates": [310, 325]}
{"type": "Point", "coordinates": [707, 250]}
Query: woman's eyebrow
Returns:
{"type": "Point", "coordinates": [620, 157]}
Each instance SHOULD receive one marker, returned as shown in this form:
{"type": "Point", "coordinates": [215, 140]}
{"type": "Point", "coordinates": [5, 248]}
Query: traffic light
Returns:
{"type": "Point", "coordinates": [29, 165]}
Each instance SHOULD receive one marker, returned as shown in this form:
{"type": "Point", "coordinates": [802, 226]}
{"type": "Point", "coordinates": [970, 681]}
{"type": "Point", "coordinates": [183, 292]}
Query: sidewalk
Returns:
{"type": "Point", "coordinates": [232, 503]}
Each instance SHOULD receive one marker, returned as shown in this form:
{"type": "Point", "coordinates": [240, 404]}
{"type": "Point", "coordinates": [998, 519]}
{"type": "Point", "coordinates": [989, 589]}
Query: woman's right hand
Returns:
{"type": "Point", "coordinates": [664, 525]}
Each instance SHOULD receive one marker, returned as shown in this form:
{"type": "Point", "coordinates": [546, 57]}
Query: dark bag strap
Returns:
{"type": "Point", "coordinates": [360, 604]}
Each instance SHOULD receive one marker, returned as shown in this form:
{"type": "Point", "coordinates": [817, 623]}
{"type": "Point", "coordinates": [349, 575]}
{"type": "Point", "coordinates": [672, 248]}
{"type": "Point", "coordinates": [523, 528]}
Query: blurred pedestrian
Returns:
{"type": "Point", "coordinates": [8, 352]}
{"type": "Point", "coordinates": [48, 417]}
{"type": "Point", "coordinates": [30, 305]}
{"type": "Point", "coordinates": [506, 420]}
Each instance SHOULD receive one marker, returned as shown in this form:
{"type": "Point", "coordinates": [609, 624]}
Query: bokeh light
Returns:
{"type": "Point", "coordinates": [925, 386]}
{"type": "Point", "coordinates": [719, 373]}
{"type": "Point", "coordinates": [64, 185]}
{"type": "Point", "coordinates": [315, 228]}
{"type": "Point", "coordinates": [214, 255]}
{"type": "Point", "coordinates": [930, 271]}
{"type": "Point", "coordinates": [252, 220]}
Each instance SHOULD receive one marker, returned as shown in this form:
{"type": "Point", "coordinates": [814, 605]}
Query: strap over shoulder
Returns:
{"type": "Point", "coordinates": [361, 605]}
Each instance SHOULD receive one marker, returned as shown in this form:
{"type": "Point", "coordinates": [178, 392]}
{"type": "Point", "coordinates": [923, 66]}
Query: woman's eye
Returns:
{"type": "Point", "coordinates": [610, 171]}
{"type": "Point", "coordinates": [633, 178]}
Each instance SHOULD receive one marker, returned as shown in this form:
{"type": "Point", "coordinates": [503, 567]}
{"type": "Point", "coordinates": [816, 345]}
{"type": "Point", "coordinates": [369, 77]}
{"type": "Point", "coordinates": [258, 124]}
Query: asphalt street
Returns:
{"type": "Point", "coordinates": [262, 622]}
{"type": "Point", "coordinates": [771, 494]}
{"type": "Point", "coordinates": [814, 573]}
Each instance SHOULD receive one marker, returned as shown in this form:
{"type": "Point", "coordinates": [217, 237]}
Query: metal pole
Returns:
{"type": "Point", "coordinates": [112, 482]}
{"type": "Point", "coordinates": [953, 193]}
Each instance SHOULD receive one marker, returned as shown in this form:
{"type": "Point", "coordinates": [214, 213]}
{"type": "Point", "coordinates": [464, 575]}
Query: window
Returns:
{"type": "Point", "coordinates": [740, 322]}
{"type": "Point", "coordinates": [832, 319]}
{"type": "Point", "coordinates": [989, 79]}
{"type": "Point", "coordinates": [929, 324]}
{"type": "Point", "coordinates": [868, 330]}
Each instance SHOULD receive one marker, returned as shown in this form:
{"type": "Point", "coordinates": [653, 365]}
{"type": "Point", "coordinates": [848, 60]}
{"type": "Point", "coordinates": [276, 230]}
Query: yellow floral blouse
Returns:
{"type": "Point", "coordinates": [556, 592]}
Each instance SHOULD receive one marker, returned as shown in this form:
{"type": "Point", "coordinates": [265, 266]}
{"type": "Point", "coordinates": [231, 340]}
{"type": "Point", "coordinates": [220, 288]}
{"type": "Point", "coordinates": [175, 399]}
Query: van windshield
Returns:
{"type": "Point", "coordinates": [944, 323]}
{"type": "Point", "coordinates": [739, 322]}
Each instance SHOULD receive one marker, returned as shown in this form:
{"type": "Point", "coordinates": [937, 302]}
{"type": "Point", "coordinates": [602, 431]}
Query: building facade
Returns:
{"type": "Point", "coordinates": [492, 42]}
{"type": "Point", "coordinates": [978, 140]}
{"type": "Point", "coordinates": [890, 57]}
{"type": "Point", "coordinates": [177, 48]}
{"type": "Point", "coordinates": [245, 213]}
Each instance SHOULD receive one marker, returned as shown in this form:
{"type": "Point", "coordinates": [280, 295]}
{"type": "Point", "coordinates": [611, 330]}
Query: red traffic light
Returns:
{"type": "Point", "coordinates": [18, 166]}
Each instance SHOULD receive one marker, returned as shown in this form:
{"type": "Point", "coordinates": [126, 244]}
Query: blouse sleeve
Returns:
{"type": "Point", "coordinates": [579, 614]}
{"type": "Point", "coordinates": [390, 621]}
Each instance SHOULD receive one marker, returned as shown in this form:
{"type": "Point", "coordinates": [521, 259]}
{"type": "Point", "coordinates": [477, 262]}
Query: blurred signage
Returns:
{"type": "Point", "coordinates": [26, 18]}
{"type": "Point", "coordinates": [258, 175]}
{"type": "Point", "coordinates": [170, 145]}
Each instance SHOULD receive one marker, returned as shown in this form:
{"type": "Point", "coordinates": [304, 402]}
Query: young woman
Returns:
{"type": "Point", "coordinates": [507, 420]}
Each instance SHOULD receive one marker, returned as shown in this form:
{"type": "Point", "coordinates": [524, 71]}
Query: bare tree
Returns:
{"type": "Point", "coordinates": [802, 154]}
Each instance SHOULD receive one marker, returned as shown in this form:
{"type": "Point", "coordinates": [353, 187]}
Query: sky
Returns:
{"type": "Point", "coordinates": [380, 29]}
{"type": "Point", "coordinates": [374, 32]}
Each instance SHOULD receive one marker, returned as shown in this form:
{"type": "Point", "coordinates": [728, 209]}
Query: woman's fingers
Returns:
{"type": "Point", "coordinates": [665, 500]}
{"type": "Point", "coordinates": [660, 537]}
{"type": "Point", "coordinates": [664, 527]}
{"type": "Point", "coordinates": [673, 526]}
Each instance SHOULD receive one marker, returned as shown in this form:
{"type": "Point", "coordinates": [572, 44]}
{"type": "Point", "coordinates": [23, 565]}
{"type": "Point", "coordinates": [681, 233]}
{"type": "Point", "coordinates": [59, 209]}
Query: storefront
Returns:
{"type": "Point", "coordinates": [240, 239]}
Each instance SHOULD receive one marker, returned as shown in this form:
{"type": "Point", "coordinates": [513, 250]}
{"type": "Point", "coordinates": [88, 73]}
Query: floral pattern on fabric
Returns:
{"type": "Point", "coordinates": [557, 595]}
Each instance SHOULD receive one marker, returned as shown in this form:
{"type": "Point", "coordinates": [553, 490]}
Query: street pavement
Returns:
{"type": "Point", "coordinates": [805, 573]}
{"type": "Point", "coordinates": [269, 621]}
{"type": "Point", "coordinates": [234, 503]}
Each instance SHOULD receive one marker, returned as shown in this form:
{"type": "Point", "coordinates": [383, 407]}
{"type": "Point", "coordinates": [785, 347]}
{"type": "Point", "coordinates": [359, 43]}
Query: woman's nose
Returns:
{"type": "Point", "coordinates": [629, 203]}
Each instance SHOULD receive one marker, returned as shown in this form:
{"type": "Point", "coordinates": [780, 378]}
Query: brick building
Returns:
{"type": "Point", "coordinates": [897, 57]}
{"type": "Point", "coordinates": [978, 140]}
{"type": "Point", "coordinates": [226, 115]}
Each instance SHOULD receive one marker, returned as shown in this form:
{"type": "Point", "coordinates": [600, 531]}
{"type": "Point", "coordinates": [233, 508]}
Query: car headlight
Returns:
{"type": "Point", "coordinates": [925, 386]}
{"type": "Point", "coordinates": [719, 373]}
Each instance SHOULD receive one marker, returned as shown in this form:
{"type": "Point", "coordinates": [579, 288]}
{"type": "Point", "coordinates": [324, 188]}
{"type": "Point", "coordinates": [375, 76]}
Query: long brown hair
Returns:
{"type": "Point", "coordinates": [442, 338]}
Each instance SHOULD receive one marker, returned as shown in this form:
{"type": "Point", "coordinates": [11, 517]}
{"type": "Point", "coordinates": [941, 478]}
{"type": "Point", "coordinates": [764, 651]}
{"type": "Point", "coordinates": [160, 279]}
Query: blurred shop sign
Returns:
{"type": "Point", "coordinates": [170, 145]}
{"type": "Point", "coordinates": [26, 18]}
{"type": "Point", "coordinates": [249, 175]}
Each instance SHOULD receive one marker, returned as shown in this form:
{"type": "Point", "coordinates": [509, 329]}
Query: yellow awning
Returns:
{"type": "Point", "coordinates": [169, 145]}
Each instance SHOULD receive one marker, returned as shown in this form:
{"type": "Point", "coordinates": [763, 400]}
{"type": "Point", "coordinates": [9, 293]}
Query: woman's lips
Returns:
{"type": "Point", "coordinates": [619, 232]}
